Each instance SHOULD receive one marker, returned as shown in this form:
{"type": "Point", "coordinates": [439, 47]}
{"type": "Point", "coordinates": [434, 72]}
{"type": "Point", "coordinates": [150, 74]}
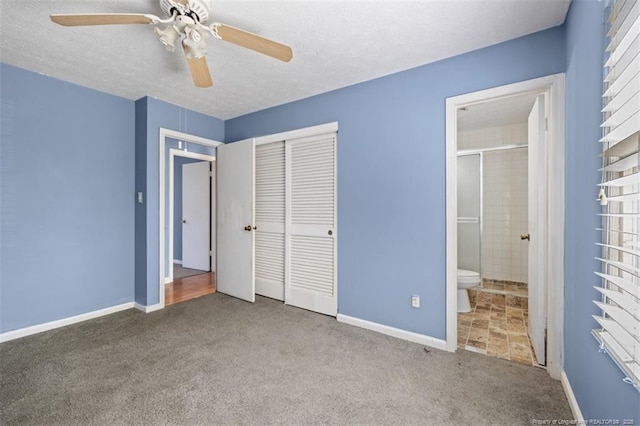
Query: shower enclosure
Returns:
{"type": "Point", "coordinates": [470, 212]}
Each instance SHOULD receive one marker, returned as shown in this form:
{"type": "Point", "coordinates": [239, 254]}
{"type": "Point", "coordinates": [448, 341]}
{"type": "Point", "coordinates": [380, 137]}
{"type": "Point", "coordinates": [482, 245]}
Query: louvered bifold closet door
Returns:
{"type": "Point", "coordinates": [311, 282]}
{"type": "Point", "coordinates": [619, 321]}
{"type": "Point", "coordinates": [270, 219]}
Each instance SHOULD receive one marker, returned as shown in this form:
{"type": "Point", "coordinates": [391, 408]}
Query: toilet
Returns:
{"type": "Point", "coordinates": [466, 280]}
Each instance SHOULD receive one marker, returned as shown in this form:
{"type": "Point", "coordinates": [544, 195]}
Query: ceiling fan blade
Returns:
{"type": "Point", "coordinates": [77, 20]}
{"type": "Point", "coordinates": [254, 42]}
{"type": "Point", "coordinates": [199, 71]}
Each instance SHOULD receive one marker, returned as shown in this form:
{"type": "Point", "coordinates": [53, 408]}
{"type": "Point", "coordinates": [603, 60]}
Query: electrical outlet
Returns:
{"type": "Point", "coordinates": [415, 301]}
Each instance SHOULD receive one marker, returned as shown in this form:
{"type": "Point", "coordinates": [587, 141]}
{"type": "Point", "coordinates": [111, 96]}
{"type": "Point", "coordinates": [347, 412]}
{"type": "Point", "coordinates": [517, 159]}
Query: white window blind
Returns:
{"type": "Point", "coordinates": [619, 332]}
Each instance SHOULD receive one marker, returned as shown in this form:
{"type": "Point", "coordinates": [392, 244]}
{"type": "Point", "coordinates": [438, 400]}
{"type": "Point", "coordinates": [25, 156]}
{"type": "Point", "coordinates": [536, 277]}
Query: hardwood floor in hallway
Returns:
{"type": "Point", "coordinates": [183, 289]}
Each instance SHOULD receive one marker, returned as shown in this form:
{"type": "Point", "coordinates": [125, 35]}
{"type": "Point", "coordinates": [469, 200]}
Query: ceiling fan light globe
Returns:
{"type": "Point", "coordinates": [168, 37]}
{"type": "Point", "coordinates": [194, 52]}
{"type": "Point", "coordinates": [195, 42]}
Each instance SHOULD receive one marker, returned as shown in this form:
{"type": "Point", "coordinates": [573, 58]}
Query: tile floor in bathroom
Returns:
{"type": "Point", "coordinates": [497, 324]}
{"type": "Point", "coordinates": [509, 287]}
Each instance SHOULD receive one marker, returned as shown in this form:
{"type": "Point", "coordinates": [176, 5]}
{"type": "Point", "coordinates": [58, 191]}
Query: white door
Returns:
{"type": "Point", "coordinates": [270, 219]}
{"type": "Point", "coordinates": [195, 215]}
{"type": "Point", "coordinates": [235, 177]}
{"type": "Point", "coordinates": [537, 212]}
{"type": "Point", "coordinates": [311, 224]}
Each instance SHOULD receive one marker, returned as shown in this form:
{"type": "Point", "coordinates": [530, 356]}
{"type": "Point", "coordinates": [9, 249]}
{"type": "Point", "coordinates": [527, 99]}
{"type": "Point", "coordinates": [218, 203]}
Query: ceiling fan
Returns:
{"type": "Point", "coordinates": [186, 24]}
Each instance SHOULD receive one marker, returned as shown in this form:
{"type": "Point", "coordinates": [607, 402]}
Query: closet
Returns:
{"type": "Point", "coordinates": [293, 223]}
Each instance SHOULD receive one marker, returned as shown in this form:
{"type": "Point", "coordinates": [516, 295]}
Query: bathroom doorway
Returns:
{"type": "Point", "coordinates": [502, 224]}
{"type": "Point", "coordinates": [492, 221]}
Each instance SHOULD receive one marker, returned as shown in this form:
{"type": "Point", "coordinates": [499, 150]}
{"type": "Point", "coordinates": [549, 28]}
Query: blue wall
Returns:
{"type": "Point", "coordinates": [140, 291]}
{"type": "Point", "coordinates": [596, 381]}
{"type": "Point", "coordinates": [177, 204]}
{"type": "Point", "coordinates": [161, 114]}
{"type": "Point", "coordinates": [391, 173]}
{"type": "Point", "coordinates": [67, 218]}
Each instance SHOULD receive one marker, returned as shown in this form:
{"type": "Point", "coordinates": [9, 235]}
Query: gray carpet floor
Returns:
{"type": "Point", "coordinates": [219, 360]}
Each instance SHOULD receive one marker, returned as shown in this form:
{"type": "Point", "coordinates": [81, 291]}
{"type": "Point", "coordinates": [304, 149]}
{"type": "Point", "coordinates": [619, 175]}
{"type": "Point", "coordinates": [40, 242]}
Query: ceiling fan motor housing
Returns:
{"type": "Point", "coordinates": [199, 7]}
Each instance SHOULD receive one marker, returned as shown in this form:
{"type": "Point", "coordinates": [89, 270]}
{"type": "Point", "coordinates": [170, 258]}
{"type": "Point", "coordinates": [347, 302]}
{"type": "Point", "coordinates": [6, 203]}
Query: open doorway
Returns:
{"type": "Point", "coordinates": [497, 263]}
{"type": "Point", "coordinates": [193, 192]}
{"type": "Point", "coordinates": [504, 241]}
{"type": "Point", "coordinates": [187, 216]}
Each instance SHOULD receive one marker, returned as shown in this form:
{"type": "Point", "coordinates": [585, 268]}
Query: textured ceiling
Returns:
{"type": "Point", "coordinates": [335, 44]}
{"type": "Point", "coordinates": [500, 112]}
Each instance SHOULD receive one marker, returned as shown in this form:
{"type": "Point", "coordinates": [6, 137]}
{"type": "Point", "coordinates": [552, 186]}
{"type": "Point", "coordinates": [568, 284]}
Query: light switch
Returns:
{"type": "Point", "coordinates": [140, 198]}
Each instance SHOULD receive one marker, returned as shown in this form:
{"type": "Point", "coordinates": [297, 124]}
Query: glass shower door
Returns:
{"type": "Point", "coordinates": [469, 211]}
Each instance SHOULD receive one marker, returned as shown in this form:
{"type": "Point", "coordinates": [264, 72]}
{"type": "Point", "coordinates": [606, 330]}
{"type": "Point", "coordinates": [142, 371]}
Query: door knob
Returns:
{"type": "Point", "coordinates": [525, 237]}
{"type": "Point", "coordinates": [247, 228]}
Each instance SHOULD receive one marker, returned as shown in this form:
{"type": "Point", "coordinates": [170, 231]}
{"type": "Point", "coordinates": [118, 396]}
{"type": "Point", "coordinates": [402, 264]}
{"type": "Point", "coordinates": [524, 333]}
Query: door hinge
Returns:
{"type": "Point", "coordinates": [546, 123]}
{"type": "Point", "coordinates": [210, 173]}
{"type": "Point", "coordinates": [210, 253]}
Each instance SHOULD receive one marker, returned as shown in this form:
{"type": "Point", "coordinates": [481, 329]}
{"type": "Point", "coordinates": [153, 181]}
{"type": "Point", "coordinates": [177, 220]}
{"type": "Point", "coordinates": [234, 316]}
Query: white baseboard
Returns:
{"type": "Point", "coordinates": [147, 309]}
{"type": "Point", "coordinates": [573, 402]}
{"type": "Point", "coordinates": [39, 328]}
{"type": "Point", "coordinates": [168, 280]}
{"type": "Point", "coordinates": [394, 332]}
{"type": "Point", "coordinates": [176, 261]}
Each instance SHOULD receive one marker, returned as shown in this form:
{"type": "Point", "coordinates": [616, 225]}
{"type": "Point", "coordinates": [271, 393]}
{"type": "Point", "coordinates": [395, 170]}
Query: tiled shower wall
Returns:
{"type": "Point", "coordinates": [504, 254]}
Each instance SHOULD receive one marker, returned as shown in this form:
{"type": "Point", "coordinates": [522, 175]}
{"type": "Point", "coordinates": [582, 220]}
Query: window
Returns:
{"type": "Point", "coordinates": [619, 335]}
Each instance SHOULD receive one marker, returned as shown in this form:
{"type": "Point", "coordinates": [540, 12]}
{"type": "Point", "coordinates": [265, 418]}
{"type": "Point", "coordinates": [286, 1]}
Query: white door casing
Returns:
{"type": "Point", "coordinates": [270, 219]}
{"type": "Point", "coordinates": [196, 215]}
{"type": "Point", "coordinates": [537, 218]}
{"type": "Point", "coordinates": [235, 219]}
{"type": "Point", "coordinates": [311, 281]}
